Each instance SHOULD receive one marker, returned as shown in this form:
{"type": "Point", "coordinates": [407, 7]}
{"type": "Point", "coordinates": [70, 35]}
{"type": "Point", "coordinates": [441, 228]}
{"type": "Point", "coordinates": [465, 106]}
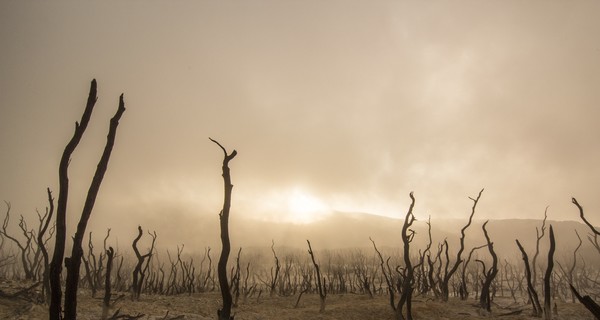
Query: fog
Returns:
{"type": "Point", "coordinates": [349, 104]}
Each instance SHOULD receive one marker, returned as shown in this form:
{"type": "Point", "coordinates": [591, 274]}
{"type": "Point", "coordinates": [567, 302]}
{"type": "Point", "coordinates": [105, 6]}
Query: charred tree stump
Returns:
{"type": "Point", "coordinates": [225, 312]}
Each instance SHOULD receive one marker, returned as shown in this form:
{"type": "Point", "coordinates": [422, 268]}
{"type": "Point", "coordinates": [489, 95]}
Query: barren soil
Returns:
{"type": "Point", "coordinates": [349, 306]}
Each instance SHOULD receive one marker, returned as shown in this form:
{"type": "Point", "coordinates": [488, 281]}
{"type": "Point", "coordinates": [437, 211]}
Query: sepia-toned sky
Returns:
{"type": "Point", "coordinates": [332, 106]}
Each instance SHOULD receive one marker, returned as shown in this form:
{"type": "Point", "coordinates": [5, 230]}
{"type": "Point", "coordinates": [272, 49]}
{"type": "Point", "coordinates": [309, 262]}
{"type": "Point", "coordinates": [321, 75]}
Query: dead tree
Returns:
{"type": "Point", "coordinates": [462, 290]}
{"type": "Point", "coordinates": [445, 293]}
{"type": "Point", "coordinates": [110, 254]}
{"type": "Point", "coordinates": [570, 274]}
{"type": "Point", "coordinates": [74, 262]}
{"type": "Point", "coordinates": [388, 277]}
{"type": "Point", "coordinates": [321, 285]}
{"type": "Point", "coordinates": [138, 274]}
{"type": "Point", "coordinates": [533, 296]}
{"type": "Point", "coordinates": [24, 247]}
{"type": "Point", "coordinates": [547, 277]}
{"type": "Point", "coordinates": [485, 301]}
{"type": "Point", "coordinates": [539, 234]}
{"type": "Point", "coordinates": [61, 210]}
{"type": "Point", "coordinates": [225, 312]}
{"type": "Point", "coordinates": [274, 275]}
{"type": "Point", "coordinates": [587, 301]}
{"type": "Point", "coordinates": [408, 273]}
{"type": "Point", "coordinates": [44, 223]}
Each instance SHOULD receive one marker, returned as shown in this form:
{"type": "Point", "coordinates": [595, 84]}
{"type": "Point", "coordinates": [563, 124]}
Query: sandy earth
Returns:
{"type": "Point", "coordinates": [349, 306]}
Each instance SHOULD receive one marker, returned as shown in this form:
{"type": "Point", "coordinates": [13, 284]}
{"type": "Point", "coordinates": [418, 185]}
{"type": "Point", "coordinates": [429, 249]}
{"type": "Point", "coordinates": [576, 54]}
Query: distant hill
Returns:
{"type": "Point", "coordinates": [346, 230]}
{"type": "Point", "coordinates": [352, 230]}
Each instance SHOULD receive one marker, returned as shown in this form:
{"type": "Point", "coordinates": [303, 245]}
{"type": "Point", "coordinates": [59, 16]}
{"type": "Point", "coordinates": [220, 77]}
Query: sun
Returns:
{"type": "Point", "coordinates": [304, 207]}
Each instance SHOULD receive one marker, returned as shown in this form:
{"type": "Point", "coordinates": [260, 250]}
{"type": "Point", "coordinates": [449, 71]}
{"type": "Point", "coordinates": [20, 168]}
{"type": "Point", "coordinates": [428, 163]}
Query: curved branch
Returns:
{"type": "Point", "coordinates": [582, 216]}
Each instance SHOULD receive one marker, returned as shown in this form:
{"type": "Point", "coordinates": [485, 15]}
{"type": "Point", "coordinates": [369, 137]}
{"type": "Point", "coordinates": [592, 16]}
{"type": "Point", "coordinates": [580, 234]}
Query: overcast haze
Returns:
{"type": "Point", "coordinates": [331, 105]}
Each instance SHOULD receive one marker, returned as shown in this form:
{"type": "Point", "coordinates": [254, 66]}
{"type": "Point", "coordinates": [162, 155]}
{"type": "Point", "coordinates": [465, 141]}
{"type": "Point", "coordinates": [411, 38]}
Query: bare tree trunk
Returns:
{"type": "Point", "coordinates": [533, 296]}
{"type": "Point", "coordinates": [41, 244]}
{"type": "Point", "coordinates": [225, 312]}
{"type": "Point", "coordinates": [592, 306]}
{"type": "Point", "coordinates": [74, 262]}
{"type": "Point", "coordinates": [274, 277]}
{"type": "Point", "coordinates": [547, 276]}
{"type": "Point", "coordinates": [539, 234]}
{"type": "Point", "coordinates": [463, 290]}
{"type": "Point", "coordinates": [320, 285]}
{"type": "Point", "coordinates": [138, 274]}
{"type": "Point", "coordinates": [110, 253]}
{"type": "Point", "coordinates": [408, 274]}
{"type": "Point", "coordinates": [61, 210]}
{"type": "Point", "coordinates": [485, 300]}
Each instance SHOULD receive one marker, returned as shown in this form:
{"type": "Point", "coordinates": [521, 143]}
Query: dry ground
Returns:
{"type": "Point", "coordinates": [349, 306]}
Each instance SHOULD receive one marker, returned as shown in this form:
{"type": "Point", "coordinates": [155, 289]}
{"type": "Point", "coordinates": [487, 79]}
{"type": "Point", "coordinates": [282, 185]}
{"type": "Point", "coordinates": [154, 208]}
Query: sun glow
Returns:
{"type": "Point", "coordinates": [294, 205]}
{"type": "Point", "coordinates": [305, 207]}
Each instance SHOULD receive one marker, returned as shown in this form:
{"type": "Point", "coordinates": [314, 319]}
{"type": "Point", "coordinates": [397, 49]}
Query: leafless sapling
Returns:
{"type": "Point", "coordinates": [225, 312]}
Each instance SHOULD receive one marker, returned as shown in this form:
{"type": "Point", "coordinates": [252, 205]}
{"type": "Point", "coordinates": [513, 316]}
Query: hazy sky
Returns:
{"type": "Point", "coordinates": [331, 105]}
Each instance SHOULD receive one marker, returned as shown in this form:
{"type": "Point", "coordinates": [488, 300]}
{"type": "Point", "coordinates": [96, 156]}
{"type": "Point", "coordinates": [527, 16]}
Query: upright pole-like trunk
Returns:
{"type": "Point", "coordinates": [225, 312]}
{"type": "Point", "coordinates": [547, 277]}
{"type": "Point", "coordinates": [54, 311]}
{"type": "Point", "coordinates": [73, 263]}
